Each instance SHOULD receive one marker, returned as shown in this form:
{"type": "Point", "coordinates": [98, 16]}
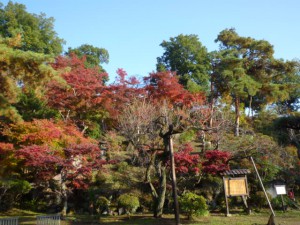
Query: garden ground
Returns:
{"type": "Point", "coordinates": [291, 217]}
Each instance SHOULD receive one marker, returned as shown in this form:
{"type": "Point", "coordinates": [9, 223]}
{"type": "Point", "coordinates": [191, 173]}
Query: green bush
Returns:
{"type": "Point", "coordinates": [12, 190]}
{"type": "Point", "coordinates": [259, 199]}
{"type": "Point", "coordinates": [129, 202]}
{"type": "Point", "coordinates": [277, 202]}
{"type": "Point", "coordinates": [102, 203]}
{"type": "Point", "coordinates": [122, 167]}
{"type": "Point", "coordinates": [193, 204]}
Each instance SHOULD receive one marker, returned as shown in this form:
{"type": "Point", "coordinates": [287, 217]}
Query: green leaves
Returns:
{"type": "Point", "coordinates": [186, 56]}
{"type": "Point", "coordinates": [20, 69]}
{"type": "Point", "coordinates": [36, 30]}
{"type": "Point", "coordinates": [193, 204]}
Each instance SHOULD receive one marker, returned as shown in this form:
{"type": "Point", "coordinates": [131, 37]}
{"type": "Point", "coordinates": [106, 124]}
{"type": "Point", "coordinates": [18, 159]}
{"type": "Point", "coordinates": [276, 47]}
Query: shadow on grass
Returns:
{"type": "Point", "coordinates": [124, 220]}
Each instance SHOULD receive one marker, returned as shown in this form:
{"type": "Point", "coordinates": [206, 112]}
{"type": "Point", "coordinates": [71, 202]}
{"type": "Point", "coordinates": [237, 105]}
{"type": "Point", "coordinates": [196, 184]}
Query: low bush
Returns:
{"type": "Point", "coordinates": [129, 202]}
{"type": "Point", "coordinates": [102, 203]}
{"type": "Point", "coordinates": [259, 200]}
{"type": "Point", "coordinates": [193, 205]}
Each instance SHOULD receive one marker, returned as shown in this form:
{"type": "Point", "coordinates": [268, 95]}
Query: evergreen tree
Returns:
{"type": "Point", "coordinates": [245, 71]}
{"type": "Point", "coordinates": [186, 56]}
{"type": "Point", "coordinates": [37, 31]}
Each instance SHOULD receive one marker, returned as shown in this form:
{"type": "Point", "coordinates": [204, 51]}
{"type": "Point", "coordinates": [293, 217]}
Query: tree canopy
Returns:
{"type": "Point", "coordinates": [185, 55]}
{"type": "Point", "coordinates": [20, 69]}
{"type": "Point", "coordinates": [36, 31]}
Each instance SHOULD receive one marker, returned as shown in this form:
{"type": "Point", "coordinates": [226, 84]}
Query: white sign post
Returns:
{"type": "Point", "coordinates": [281, 190]}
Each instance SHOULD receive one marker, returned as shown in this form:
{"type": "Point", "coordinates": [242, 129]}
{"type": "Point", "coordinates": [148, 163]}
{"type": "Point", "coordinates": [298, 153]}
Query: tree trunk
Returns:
{"type": "Point", "coordinates": [160, 201]}
{"type": "Point", "coordinates": [174, 182]}
{"type": "Point", "coordinates": [148, 177]}
{"type": "Point", "coordinates": [158, 196]}
{"type": "Point", "coordinates": [237, 117]}
{"type": "Point", "coordinates": [64, 199]}
{"type": "Point", "coordinates": [250, 107]}
{"type": "Point", "coordinates": [64, 193]}
{"type": "Point", "coordinates": [211, 105]}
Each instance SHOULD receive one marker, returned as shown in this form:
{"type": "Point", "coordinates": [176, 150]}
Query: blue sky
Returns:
{"type": "Point", "coordinates": [132, 30]}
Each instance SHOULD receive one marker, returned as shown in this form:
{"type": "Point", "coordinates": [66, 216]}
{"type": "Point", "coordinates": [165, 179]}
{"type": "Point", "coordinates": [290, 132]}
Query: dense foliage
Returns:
{"type": "Point", "coordinates": [193, 204]}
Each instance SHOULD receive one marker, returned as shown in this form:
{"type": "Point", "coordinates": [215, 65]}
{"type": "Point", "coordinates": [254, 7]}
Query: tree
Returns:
{"type": "Point", "coordinates": [290, 127]}
{"type": "Point", "coordinates": [185, 161]}
{"type": "Point", "coordinates": [80, 99]}
{"type": "Point", "coordinates": [165, 86]}
{"type": "Point", "coordinates": [36, 31]}
{"type": "Point", "coordinates": [94, 55]}
{"type": "Point", "coordinates": [245, 70]}
{"type": "Point", "coordinates": [49, 150]}
{"type": "Point", "coordinates": [120, 93]}
{"type": "Point", "coordinates": [20, 69]}
{"type": "Point", "coordinates": [292, 79]}
{"type": "Point", "coordinates": [137, 124]}
{"type": "Point", "coordinates": [32, 106]}
{"type": "Point", "coordinates": [216, 161]}
{"type": "Point", "coordinates": [186, 56]}
{"type": "Point", "coordinates": [150, 124]}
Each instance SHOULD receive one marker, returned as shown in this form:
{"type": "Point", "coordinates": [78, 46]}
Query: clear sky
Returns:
{"type": "Point", "coordinates": [132, 30]}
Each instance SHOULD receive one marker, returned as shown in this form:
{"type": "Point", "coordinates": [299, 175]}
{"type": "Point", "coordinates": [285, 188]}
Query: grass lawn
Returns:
{"type": "Point", "coordinates": [291, 217]}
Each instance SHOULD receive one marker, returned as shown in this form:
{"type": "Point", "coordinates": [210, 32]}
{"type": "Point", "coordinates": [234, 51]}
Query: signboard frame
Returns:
{"type": "Point", "coordinates": [236, 186]}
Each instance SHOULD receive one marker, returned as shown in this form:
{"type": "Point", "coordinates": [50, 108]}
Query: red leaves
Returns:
{"type": "Point", "coordinates": [83, 86]}
{"type": "Point", "coordinates": [40, 132]}
{"type": "Point", "coordinates": [42, 159]}
{"type": "Point", "coordinates": [164, 86]}
{"type": "Point", "coordinates": [117, 95]}
{"type": "Point", "coordinates": [47, 148]}
{"type": "Point", "coordinates": [185, 162]}
{"type": "Point", "coordinates": [216, 161]}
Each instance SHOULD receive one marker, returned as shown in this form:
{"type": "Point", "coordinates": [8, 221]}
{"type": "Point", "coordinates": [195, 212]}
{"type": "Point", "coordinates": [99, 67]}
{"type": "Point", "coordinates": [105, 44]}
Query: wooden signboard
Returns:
{"type": "Point", "coordinates": [236, 186]}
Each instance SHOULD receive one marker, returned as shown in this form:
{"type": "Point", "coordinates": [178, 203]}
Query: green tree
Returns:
{"type": "Point", "coordinates": [94, 55]}
{"type": "Point", "coordinates": [186, 56]}
{"type": "Point", "coordinates": [245, 71]}
{"type": "Point", "coordinates": [19, 70]}
{"type": "Point", "coordinates": [31, 106]}
{"type": "Point", "coordinates": [37, 31]}
{"type": "Point", "coordinates": [292, 78]}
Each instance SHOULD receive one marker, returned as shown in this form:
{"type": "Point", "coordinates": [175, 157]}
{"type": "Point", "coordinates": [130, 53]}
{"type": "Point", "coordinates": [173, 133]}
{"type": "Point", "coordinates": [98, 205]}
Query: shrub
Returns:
{"type": "Point", "coordinates": [277, 202]}
{"type": "Point", "coordinates": [102, 203]}
{"type": "Point", "coordinates": [193, 204]}
{"type": "Point", "coordinates": [259, 199]}
{"type": "Point", "coordinates": [122, 167]}
{"type": "Point", "coordinates": [129, 202]}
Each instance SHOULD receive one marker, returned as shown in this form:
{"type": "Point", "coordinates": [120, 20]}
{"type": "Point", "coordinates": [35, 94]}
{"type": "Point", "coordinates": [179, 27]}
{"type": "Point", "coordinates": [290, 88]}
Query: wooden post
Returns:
{"type": "Point", "coordinates": [262, 185]}
{"type": "Point", "coordinates": [174, 183]}
{"type": "Point", "coordinates": [226, 200]}
{"type": "Point", "coordinates": [282, 202]}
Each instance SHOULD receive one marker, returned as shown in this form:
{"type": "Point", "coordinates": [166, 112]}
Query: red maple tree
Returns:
{"type": "Point", "coordinates": [162, 86]}
{"type": "Point", "coordinates": [186, 162]}
{"type": "Point", "coordinates": [119, 94]}
{"type": "Point", "coordinates": [48, 149]}
{"type": "Point", "coordinates": [80, 95]}
{"type": "Point", "coordinates": [216, 161]}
